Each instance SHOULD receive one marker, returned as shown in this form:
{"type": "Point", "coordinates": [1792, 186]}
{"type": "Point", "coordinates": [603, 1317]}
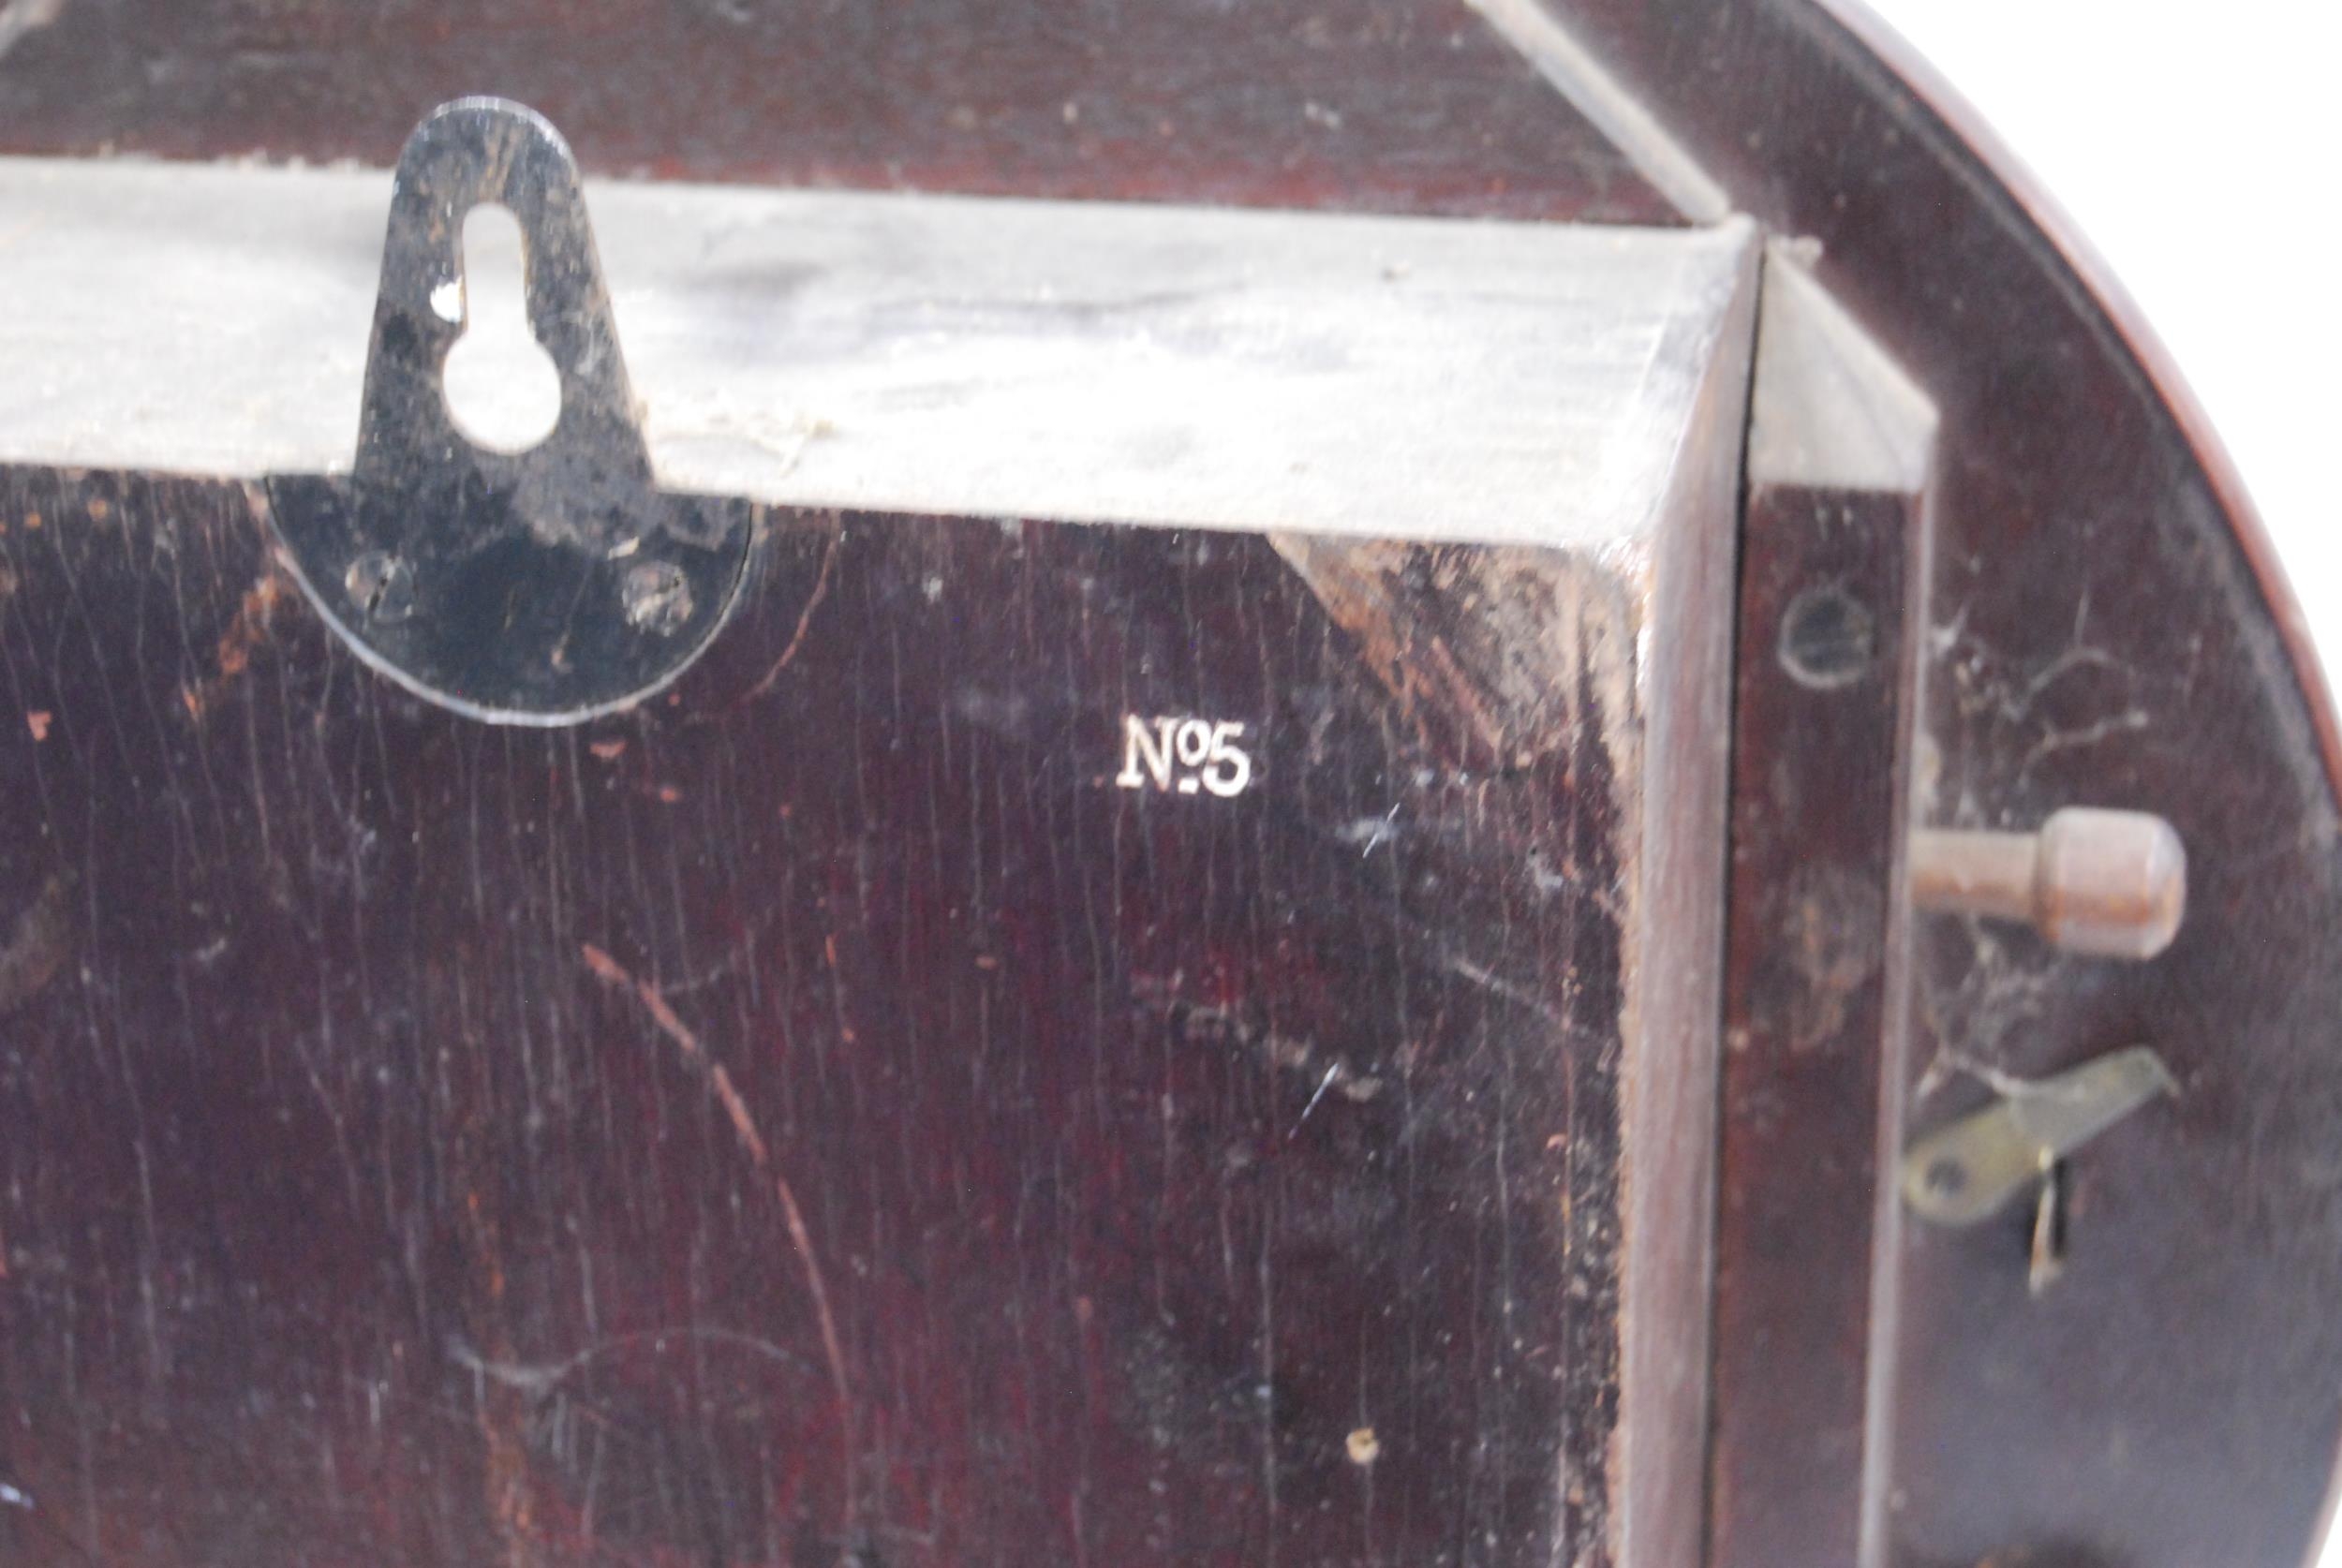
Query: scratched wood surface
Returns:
{"type": "Point", "coordinates": [1814, 995]}
{"type": "Point", "coordinates": [822, 1118]}
{"type": "Point", "coordinates": [1364, 105]}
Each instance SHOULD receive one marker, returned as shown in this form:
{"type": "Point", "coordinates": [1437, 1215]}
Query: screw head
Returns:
{"type": "Point", "coordinates": [382, 587]}
{"type": "Point", "coordinates": [656, 596]}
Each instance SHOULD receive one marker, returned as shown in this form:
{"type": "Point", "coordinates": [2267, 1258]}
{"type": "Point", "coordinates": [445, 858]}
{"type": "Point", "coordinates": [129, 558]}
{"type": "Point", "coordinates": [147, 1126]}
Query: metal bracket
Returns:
{"type": "Point", "coordinates": [537, 587]}
{"type": "Point", "coordinates": [1970, 1171]}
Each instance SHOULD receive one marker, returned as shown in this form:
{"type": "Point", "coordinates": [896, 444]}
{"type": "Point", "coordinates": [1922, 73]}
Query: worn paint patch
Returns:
{"type": "Point", "coordinates": [1505, 654]}
{"type": "Point", "coordinates": [1833, 925]}
{"type": "Point", "coordinates": [38, 947]}
{"type": "Point", "coordinates": [254, 620]}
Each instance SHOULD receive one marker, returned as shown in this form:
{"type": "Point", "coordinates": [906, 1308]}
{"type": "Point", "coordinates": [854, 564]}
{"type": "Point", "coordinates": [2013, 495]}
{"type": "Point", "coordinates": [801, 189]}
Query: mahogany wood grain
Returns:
{"type": "Point", "coordinates": [821, 1117]}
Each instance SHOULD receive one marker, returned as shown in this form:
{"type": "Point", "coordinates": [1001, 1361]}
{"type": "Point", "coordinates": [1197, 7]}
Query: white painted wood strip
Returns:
{"type": "Point", "coordinates": [1095, 361]}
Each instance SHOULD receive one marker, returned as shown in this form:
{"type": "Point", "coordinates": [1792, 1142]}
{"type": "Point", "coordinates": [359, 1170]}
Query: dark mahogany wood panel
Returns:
{"type": "Point", "coordinates": [819, 1119]}
{"type": "Point", "coordinates": [1814, 986]}
{"type": "Point", "coordinates": [1368, 105]}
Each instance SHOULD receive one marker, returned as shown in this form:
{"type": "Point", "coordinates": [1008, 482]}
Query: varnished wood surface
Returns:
{"type": "Point", "coordinates": [1817, 986]}
{"type": "Point", "coordinates": [819, 1119]}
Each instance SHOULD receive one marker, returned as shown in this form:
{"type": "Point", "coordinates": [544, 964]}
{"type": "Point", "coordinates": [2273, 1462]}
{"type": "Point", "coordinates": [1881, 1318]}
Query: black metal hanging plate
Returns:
{"type": "Point", "coordinates": [543, 586]}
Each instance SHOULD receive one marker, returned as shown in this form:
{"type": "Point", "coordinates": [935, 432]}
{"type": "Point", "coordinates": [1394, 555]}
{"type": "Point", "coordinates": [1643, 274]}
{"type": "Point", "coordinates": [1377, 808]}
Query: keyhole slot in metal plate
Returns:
{"type": "Point", "coordinates": [542, 586]}
{"type": "Point", "coordinates": [502, 389]}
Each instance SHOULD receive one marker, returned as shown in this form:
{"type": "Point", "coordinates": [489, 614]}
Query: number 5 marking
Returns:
{"type": "Point", "coordinates": [1179, 754]}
